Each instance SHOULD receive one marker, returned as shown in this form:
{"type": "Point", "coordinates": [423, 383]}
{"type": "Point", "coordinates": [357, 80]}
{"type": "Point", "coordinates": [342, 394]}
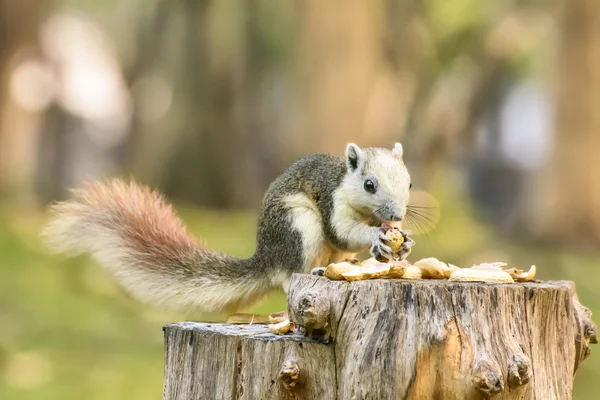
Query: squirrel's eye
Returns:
{"type": "Point", "coordinates": [410, 186]}
{"type": "Point", "coordinates": [369, 186]}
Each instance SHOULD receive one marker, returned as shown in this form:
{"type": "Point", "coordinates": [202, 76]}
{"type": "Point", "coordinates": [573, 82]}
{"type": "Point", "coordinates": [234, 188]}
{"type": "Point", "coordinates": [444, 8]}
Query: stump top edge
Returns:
{"type": "Point", "coordinates": [254, 332]}
{"type": "Point", "coordinates": [568, 285]}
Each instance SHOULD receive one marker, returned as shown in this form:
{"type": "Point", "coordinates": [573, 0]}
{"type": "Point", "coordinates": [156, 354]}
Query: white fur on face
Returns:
{"type": "Point", "coordinates": [391, 176]}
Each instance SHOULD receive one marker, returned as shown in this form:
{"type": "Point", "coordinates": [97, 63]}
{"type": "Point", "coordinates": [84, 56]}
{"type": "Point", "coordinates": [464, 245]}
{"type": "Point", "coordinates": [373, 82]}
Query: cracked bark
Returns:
{"type": "Point", "coordinates": [223, 361]}
{"type": "Point", "coordinates": [438, 339]}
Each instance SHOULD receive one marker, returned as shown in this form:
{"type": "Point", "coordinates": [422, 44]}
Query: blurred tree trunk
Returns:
{"type": "Point", "coordinates": [150, 45]}
{"type": "Point", "coordinates": [259, 152]}
{"type": "Point", "coordinates": [19, 24]}
{"type": "Point", "coordinates": [341, 57]}
{"type": "Point", "coordinates": [195, 172]}
{"type": "Point", "coordinates": [215, 162]}
{"type": "Point", "coordinates": [571, 204]}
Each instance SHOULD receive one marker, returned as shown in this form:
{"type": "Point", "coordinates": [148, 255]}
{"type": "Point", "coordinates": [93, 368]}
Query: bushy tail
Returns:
{"type": "Point", "coordinates": [134, 232]}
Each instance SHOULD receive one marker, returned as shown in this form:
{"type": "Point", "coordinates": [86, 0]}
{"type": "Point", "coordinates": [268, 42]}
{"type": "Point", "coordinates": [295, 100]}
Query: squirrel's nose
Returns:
{"type": "Point", "coordinates": [395, 217]}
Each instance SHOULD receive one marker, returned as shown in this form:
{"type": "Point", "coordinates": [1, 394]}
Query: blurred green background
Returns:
{"type": "Point", "coordinates": [497, 104]}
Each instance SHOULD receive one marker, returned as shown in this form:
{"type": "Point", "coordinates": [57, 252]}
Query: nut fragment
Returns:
{"type": "Point", "coordinates": [395, 238]}
{"type": "Point", "coordinates": [451, 269]}
{"type": "Point", "coordinates": [480, 275]}
{"type": "Point", "coordinates": [399, 242]}
{"type": "Point", "coordinates": [335, 271]}
{"type": "Point", "coordinates": [520, 276]}
{"type": "Point", "coordinates": [432, 268]}
{"type": "Point", "coordinates": [282, 328]}
{"type": "Point", "coordinates": [368, 272]}
{"type": "Point", "coordinates": [398, 268]}
{"type": "Point", "coordinates": [412, 272]}
{"type": "Point", "coordinates": [396, 271]}
{"type": "Point", "coordinates": [426, 268]}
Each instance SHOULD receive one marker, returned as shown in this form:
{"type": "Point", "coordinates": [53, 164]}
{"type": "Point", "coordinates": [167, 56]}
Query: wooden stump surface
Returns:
{"type": "Point", "coordinates": [391, 339]}
{"type": "Point", "coordinates": [439, 339]}
{"type": "Point", "coordinates": [222, 361]}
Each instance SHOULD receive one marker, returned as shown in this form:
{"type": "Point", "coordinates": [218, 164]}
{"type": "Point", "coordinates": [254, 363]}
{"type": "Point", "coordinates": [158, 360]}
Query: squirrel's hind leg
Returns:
{"type": "Point", "coordinates": [307, 223]}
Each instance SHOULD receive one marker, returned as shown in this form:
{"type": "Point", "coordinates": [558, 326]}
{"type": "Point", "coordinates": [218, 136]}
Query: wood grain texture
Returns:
{"type": "Point", "coordinates": [222, 361]}
{"type": "Point", "coordinates": [585, 330]}
{"type": "Point", "coordinates": [280, 368]}
{"type": "Point", "coordinates": [391, 339]}
{"type": "Point", "coordinates": [448, 340]}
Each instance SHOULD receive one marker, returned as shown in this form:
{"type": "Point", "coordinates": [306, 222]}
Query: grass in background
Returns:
{"type": "Point", "coordinates": [67, 331]}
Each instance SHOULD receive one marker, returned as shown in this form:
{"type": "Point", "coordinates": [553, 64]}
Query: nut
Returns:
{"type": "Point", "coordinates": [398, 268]}
{"type": "Point", "coordinates": [432, 268]}
{"type": "Point", "coordinates": [282, 327]}
{"type": "Point", "coordinates": [412, 272]}
{"type": "Point", "coordinates": [369, 272]}
{"type": "Point", "coordinates": [480, 275]}
{"type": "Point", "coordinates": [451, 269]}
{"type": "Point", "coordinates": [395, 238]}
{"type": "Point", "coordinates": [520, 276]}
{"type": "Point", "coordinates": [335, 271]}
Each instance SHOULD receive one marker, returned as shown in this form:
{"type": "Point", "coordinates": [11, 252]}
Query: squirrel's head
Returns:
{"type": "Point", "coordinates": [377, 182]}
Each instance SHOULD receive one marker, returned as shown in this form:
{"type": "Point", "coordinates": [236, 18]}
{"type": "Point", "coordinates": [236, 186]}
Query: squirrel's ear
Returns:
{"type": "Point", "coordinates": [398, 151]}
{"type": "Point", "coordinates": [353, 156]}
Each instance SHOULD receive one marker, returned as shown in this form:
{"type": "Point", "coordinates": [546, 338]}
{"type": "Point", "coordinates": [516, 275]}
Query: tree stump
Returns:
{"type": "Point", "coordinates": [392, 339]}
{"type": "Point", "coordinates": [223, 361]}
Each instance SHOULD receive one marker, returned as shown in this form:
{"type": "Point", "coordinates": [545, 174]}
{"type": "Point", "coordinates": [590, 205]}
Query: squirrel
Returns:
{"type": "Point", "coordinates": [322, 209]}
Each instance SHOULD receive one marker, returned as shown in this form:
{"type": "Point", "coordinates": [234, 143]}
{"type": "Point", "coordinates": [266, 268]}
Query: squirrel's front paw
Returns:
{"type": "Point", "coordinates": [407, 244]}
{"type": "Point", "coordinates": [380, 248]}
